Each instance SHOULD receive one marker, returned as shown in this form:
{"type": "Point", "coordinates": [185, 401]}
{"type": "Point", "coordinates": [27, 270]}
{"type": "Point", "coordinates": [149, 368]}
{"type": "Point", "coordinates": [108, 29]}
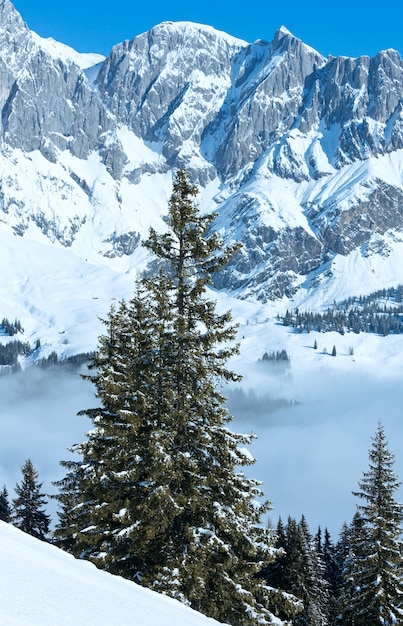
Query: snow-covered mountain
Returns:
{"type": "Point", "coordinates": [301, 157]}
{"type": "Point", "coordinates": [44, 586]}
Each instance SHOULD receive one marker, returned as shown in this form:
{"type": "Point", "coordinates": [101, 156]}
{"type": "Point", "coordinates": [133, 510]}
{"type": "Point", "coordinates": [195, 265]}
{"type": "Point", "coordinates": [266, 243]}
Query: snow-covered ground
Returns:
{"type": "Point", "coordinates": [44, 586]}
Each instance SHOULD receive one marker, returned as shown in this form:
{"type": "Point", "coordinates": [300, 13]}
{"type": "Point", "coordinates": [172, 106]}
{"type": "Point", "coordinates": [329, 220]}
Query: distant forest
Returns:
{"type": "Point", "coordinates": [11, 351]}
{"type": "Point", "coordinates": [380, 312]}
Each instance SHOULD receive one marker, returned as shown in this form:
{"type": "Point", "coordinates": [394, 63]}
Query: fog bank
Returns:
{"type": "Point", "coordinates": [311, 453]}
{"type": "Point", "coordinates": [314, 431]}
{"type": "Point", "coordinates": [38, 420]}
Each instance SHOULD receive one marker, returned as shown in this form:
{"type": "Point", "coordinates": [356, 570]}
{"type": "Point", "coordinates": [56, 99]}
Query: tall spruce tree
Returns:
{"type": "Point", "coordinates": [372, 589]}
{"type": "Point", "coordinates": [28, 513]}
{"type": "Point", "coordinates": [159, 494]}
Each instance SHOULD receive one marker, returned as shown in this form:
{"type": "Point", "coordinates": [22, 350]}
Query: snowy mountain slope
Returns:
{"type": "Point", "coordinates": [300, 156]}
{"type": "Point", "coordinates": [67, 54]}
{"type": "Point", "coordinates": [44, 586]}
{"type": "Point", "coordinates": [58, 296]}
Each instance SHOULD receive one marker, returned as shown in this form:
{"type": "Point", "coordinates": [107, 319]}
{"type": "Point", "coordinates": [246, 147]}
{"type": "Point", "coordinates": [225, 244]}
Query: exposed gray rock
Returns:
{"type": "Point", "coordinates": [122, 244]}
{"type": "Point", "coordinates": [263, 102]}
{"type": "Point", "coordinates": [51, 228]}
{"type": "Point", "coordinates": [343, 230]}
{"type": "Point", "coordinates": [363, 96]}
{"type": "Point", "coordinates": [49, 100]}
{"type": "Point", "coordinates": [114, 158]}
{"type": "Point", "coordinates": [292, 252]}
{"type": "Point", "coordinates": [167, 84]}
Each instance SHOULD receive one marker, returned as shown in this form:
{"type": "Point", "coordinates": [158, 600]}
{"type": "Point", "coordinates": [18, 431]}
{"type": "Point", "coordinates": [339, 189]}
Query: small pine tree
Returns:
{"type": "Point", "coordinates": [28, 514]}
{"type": "Point", "coordinates": [277, 575]}
{"type": "Point", "coordinates": [334, 351]}
{"type": "Point", "coordinates": [328, 554]}
{"type": "Point", "coordinates": [301, 571]}
{"type": "Point", "coordinates": [5, 507]}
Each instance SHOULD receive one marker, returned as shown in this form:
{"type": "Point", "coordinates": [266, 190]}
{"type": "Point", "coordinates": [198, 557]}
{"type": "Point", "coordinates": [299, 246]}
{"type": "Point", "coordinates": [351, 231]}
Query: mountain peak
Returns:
{"type": "Point", "coordinates": [283, 30]}
{"type": "Point", "coordinates": [285, 40]}
{"type": "Point", "coordinates": [281, 34]}
{"type": "Point", "coordinates": [7, 5]}
{"type": "Point", "coordinates": [65, 53]}
{"type": "Point", "coordinates": [9, 17]}
{"type": "Point", "coordinates": [80, 150]}
{"type": "Point", "coordinates": [187, 28]}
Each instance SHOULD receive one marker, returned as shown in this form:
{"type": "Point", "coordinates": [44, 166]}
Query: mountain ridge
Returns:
{"type": "Point", "coordinates": [300, 156]}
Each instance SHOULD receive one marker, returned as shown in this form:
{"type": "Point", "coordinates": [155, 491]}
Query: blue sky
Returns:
{"type": "Point", "coordinates": [348, 28]}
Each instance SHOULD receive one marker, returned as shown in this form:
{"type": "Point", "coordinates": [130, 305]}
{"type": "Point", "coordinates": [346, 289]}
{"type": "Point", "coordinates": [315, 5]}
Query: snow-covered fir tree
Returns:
{"type": "Point", "coordinates": [159, 495]}
{"type": "Point", "coordinates": [327, 553]}
{"type": "Point", "coordinates": [5, 507]}
{"type": "Point", "coordinates": [372, 590]}
{"type": "Point", "coordinates": [353, 543]}
{"type": "Point", "coordinates": [28, 512]}
{"type": "Point", "coordinates": [316, 595]}
{"type": "Point", "coordinates": [300, 571]}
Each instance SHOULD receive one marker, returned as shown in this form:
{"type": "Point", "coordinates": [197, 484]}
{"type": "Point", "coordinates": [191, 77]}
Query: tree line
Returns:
{"type": "Point", "coordinates": [11, 328]}
{"type": "Point", "coordinates": [157, 492]}
{"type": "Point", "coordinates": [11, 351]}
{"type": "Point", "coordinates": [380, 312]}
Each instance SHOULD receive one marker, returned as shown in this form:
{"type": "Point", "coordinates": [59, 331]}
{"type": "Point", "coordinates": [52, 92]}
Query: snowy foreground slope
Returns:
{"type": "Point", "coordinates": [44, 586]}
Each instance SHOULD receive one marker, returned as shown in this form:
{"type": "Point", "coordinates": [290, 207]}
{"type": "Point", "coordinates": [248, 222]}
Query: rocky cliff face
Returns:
{"type": "Point", "coordinates": [301, 156]}
{"type": "Point", "coordinates": [47, 104]}
{"type": "Point", "coordinates": [167, 85]}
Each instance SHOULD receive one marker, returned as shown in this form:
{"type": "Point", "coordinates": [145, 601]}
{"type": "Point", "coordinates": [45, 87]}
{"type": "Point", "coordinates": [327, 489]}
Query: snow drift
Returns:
{"type": "Point", "coordinates": [43, 586]}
